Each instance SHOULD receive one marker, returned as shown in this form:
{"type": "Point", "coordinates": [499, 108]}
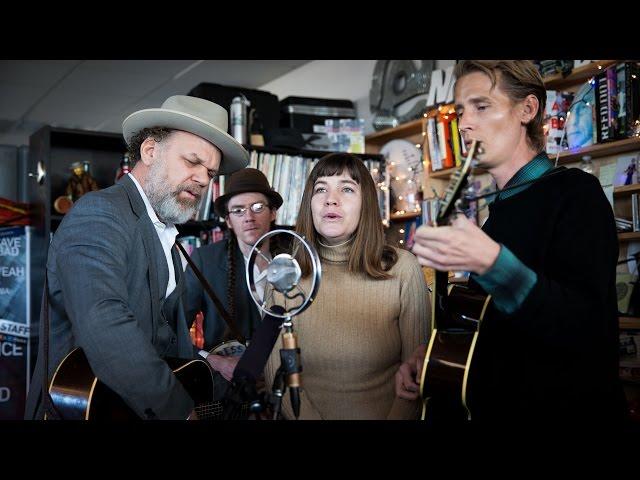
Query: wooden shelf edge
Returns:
{"type": "Point", "coordinates": [577, 75]}
{"type": "Point", "coordinates": [626, 189]}
{"type": "Point", "coordinates": [403, 130]}
{"type": "Point", "coordinates": [410, 128]}
{"type": "Point", "coordinates": [445, 173]}
{"type": "Point", "coordinates": [404, 216]}
{"type": "Point", "coordinates": [629, 323]}
{"type": "Point", "coordinates": [599, 150]}
{"type": "Point", "coordinates": [628, 236]}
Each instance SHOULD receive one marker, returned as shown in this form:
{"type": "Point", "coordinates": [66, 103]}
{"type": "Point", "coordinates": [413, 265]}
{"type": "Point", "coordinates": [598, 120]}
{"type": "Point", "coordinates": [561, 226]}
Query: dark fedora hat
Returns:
{"type": "Point", "coordinates": [246, 180]}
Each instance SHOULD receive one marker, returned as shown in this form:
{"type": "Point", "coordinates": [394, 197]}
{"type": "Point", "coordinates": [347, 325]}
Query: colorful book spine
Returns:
{"type": "Point", "coordinates": [606, 111]}
{"type": "Point", "coordinates": [444, 132]}
{"type": "Point", "coordinates": [456, 140]}
{"type": "Point", "coordinates": [628, 98]}
{"type": "Point", "coordinates": [432, 140]}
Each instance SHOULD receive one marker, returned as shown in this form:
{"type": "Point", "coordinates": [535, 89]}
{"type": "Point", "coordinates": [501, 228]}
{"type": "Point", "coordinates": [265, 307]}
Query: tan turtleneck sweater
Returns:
{"type": "Point", "coordinates": [354, 337]}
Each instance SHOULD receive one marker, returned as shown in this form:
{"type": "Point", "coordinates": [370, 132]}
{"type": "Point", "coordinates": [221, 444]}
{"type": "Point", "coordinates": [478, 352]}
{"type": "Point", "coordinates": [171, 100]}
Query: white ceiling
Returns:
{"type": "Point", "coordinates": [99, 94]}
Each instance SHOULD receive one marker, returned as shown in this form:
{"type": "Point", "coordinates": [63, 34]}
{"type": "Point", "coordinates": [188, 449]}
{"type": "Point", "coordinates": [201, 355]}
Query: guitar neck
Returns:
{"type": "Point", "coordinates": [440, 304]}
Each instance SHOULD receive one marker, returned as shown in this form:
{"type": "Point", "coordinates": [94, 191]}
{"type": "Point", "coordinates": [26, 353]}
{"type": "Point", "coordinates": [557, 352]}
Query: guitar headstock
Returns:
{"type": "Point", "coordinates": [456, 185]}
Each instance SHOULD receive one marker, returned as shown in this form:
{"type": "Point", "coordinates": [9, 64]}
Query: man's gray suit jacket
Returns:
{"type": "Point", "coordinates": [107, 277]}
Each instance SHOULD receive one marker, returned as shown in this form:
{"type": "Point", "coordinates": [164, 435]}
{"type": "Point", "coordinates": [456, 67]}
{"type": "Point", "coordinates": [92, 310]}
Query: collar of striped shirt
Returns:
{"type": "Point", "coordinates": [532, 170]}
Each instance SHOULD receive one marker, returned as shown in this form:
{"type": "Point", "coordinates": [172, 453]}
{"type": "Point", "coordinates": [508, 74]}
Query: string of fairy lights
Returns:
{"type": "Point", "coordinates": [414, 172]}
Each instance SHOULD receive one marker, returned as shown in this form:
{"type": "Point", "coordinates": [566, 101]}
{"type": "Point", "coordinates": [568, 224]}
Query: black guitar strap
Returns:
{"type": "Point", "coordinates": [216, 301]}
{"type": "Point", "coordinates": [49, 408]}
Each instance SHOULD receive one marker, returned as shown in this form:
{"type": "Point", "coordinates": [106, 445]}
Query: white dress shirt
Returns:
{"type": "Point", "coordinates": [166, 233]}
{"type": "Point", "coordinates": [259, 278]}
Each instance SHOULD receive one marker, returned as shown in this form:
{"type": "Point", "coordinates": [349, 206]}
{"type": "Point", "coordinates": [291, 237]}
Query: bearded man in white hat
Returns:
{"type": "Point", "coordinates": [114, 276]}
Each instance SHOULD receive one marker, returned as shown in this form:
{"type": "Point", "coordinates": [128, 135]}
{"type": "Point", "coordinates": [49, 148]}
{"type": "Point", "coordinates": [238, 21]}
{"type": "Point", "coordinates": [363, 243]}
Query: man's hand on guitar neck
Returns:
{"type": "Point", "coordinates": [407, 376]}
{"type": "Point", "coordinates": [462, 246]}
{"type": "Point", "coordinates": [223, 364]}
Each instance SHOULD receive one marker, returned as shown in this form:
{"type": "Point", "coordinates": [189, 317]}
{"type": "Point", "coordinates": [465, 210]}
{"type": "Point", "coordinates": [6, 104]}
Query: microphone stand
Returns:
{"type": "Point", "coordinates": [277, 391]}
{"type": "Point", "coordinates": [243, 391]}
{"type": "Point", "coordinates": [290, 367]}
{"type": "Point", "coordinates": [284, 273]}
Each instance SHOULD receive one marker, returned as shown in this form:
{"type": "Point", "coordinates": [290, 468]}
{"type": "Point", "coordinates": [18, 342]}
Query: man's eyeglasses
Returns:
{"type": "Point", "coordinates": [257, 207]}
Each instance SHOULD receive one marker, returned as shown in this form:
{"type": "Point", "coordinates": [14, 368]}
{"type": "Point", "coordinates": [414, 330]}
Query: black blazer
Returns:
{"type": "Point", "coordinates": [212, 262]}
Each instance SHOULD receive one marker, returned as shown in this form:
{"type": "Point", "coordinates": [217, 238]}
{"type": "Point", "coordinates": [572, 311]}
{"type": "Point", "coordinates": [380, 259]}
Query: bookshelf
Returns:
{"type": "Point", "coordinates": [599, 150]}
{"type": "Point", "coordinates": [288, 169]}
{"type": "Point", "coordinates": [626, 190]}
{"type": "Point", "coordinates": [575, 155]}
{"type": "Point", "coordinates": [412, 132]}
{"type": "Point", "coordinates": [56, 148]}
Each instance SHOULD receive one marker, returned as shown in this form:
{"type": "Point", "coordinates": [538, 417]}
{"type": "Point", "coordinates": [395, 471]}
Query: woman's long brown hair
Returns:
{"type": "Point", "coordinates": [369, 252]}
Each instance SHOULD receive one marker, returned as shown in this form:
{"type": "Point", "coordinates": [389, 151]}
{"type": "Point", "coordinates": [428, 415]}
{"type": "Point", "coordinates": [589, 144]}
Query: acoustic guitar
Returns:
{"type": "Point", "coordinates": [78, 394]}
{"type": "Point", "coordinates": [456, 314]}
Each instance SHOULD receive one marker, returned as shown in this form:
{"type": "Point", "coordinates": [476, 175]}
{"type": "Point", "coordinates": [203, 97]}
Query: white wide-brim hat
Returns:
{"type": "Point", "coordinates": [194, 115]}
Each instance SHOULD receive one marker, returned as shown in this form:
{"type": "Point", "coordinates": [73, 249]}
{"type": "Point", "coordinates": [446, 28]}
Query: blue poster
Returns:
{"type": "Point", "coordinates": [14, 321]}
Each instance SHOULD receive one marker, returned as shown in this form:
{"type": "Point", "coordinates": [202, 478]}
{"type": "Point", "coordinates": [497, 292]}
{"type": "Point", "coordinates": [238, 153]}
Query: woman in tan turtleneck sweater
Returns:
{"type": "Point", "coordinates": [372, 308]}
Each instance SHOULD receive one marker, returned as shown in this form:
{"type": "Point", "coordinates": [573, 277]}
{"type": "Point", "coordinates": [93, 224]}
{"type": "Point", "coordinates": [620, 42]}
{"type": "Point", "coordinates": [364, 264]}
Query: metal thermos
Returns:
{"type": "Point", "coordinates": [239, 118]}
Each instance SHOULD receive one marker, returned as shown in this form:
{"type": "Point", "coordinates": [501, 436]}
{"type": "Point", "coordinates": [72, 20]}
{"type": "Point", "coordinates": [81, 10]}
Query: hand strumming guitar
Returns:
{"type": "Point", "coordinates": [461, 246]}
{"type": "Point", "coordinates": [223, 364]}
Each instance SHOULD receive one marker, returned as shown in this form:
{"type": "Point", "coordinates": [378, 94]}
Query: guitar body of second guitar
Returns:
{"type": "Point", "coordinates": [456, 315]}
{"type": "Point", "coordinates": [445, 372]}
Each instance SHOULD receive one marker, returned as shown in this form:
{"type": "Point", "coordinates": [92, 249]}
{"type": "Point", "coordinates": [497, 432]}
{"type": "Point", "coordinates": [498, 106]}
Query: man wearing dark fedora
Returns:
{"type": "Point", "coordinates": [249, 208]}
{"type": "Point", "coordinates": [115, 279]}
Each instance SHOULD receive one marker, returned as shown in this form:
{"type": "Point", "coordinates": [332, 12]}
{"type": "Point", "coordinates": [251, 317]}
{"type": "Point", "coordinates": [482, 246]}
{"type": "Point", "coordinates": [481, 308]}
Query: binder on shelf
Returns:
{"type": "Point", "coordinates": [634, 212]}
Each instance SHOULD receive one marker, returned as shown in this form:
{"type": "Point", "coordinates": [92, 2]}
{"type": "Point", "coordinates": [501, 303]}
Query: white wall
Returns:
{"type": "Point", "coordinates": [342, 79]}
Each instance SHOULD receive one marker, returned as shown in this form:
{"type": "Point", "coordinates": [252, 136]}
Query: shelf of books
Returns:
{"type": "Point", "coordinates": [287, 172]}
